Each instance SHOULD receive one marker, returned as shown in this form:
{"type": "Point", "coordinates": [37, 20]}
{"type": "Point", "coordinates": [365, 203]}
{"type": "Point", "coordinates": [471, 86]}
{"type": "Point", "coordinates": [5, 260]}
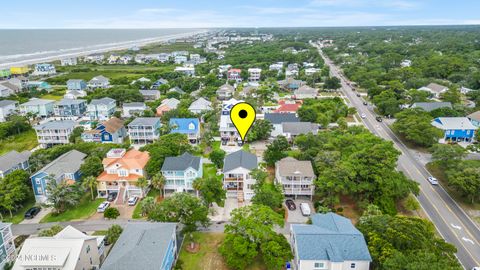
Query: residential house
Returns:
{"type": "Point", "coordinates": [236, 175]}
{"type": "Point", "coordinates": [5, 73]}
{"type": "Point", "coordinates": [277, 119]}
{"type": "Point", "coordinates": [141, 81]}
{"type": "Point", "coordinates": [68, 249]}
{"type": "Point", "coordinates": [125, 59]}
{"type": "Point", "coordinates": [228, 132]}
{"type": "Point", "coordinates": [94, 58]}
{"type": "Point", "coordinates": [19, 70]}
{"type": "Point", "coordinates": [224, 68]}
{"type": "Point", "coordinates": [76, 84]}
{"type": "Point", "coordinates": [290, 84]}
{"type": "Point", "coordinates": [249, 91]}
{"type": "Point", "coordinates": [158, 83]}
{"type": "Point", "coordinates": [39, 86]}
{"type": "Point", "coordinates": [71, 61]}
{"type": "Point", "coordinates": [435, 89]}
{"type": "Point", "coordinates": [150, 95]}
{"type": "Point", "coordinates": [110, 131]}
{"type": "Point", "coordinates": [181, 171]}
{"type": "Point", "coordinates": [99, 82]}
{"type": "Point", "coordinates": [464, 90]}
{"type": "Point", "coordinates": [311, 71]}
{"type": "Point", "coordinates": [288, 106]}
{"type": "Point", "coordinates": [180, 59]}
{"type": "Point", "coordinates": [177, 90]}
{"type": "Point", "coordinates": [121, 171]}
{"type": "Point", "coordinates": [225, 92]}
{"type": "Point", "coordinates": [292, 129]}
{"type": "Point", "coordinates": [164, 57]}
{"type": "Point", "coordinates": [7, 246]}
{"type": "Point", "coordinates": [430, 106]}
{"type": "Point", "coordinates": [101, 109]}
{"type": "Point", "coordinates": [187, 126]}
{"type": "Point", "coordinates": [144, 130]}
{"type": "Point", "coordinates": [330, 242]}
{"type": "Point", "coordinates": [254, 74]}
{"type": "Point", "coordinates": [38, 107]}
{"type": "Point", "coordinates": [8, 89]}
{"type": "Point", "coordinates": [406, 63]}
{"type": "Point", "coordinates": [276, 66]}
{"type": "Point", "coordinates": [167, 105]}
{"type": "Point", "coordinates": [474, 118]}
{"type": "Point", "coordinates": [44, 69]}
{"type": "Point", "coordinates": [70, 107]}
{"type": "Point", "coordinates": [20, 82]}
{"type": "Point", "coordinates": [456, 129]}
{"type": "Point", "coordinates": [74, 94]}
{"type": "Point", "coordinates": [145, 246]}
{"type": "Point", "coordinates": [7, 107]}
{"type": "Point", "coordinates": [65, 168]}
{"type": "Point", "coordinates": [296, 177]}
{"type": "Point", "coordinates": [234, 74]}
{"type": "Point", "coordinates": [133, 108]}
{"type": "Point", "coordinates": [54, 132]}
{"type": "Point", "coordinates": [188, 70]}
{"type": "Point", "coordinates": [200, 105]}
{"type": "Point", "coordinates": [14, 160]}
{"type": "Point", "coordinates": [305, 92]}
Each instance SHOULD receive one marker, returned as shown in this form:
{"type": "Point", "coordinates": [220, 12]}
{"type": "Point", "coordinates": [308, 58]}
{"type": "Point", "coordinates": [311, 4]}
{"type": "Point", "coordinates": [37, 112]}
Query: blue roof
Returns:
{"type": "Point", "coordinates": [184, 125]}
{"type": "Point", "coordinates": [330, 237]}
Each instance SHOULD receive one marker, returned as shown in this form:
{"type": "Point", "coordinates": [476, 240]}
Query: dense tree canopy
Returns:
{"type": "Point", "coordinates": [415, 126]}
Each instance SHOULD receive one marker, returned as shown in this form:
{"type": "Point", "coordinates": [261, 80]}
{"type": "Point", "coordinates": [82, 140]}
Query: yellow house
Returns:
{"type": "Point", "coordinates": [19, 70]}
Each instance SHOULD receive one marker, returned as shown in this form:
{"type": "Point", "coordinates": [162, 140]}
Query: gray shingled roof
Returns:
{"type": "Point", "coordinates": [144, 121]}
{"type": "Point", "coordinates": [134, 104]}
{"type": "Point", "coordinates": [142, 245]}
{"type": "Point", "coordinates": [278, 118]}
{"type": "Point", "coordinates": [430, 106]}
{"type": "Point", "coordinates": [181, 163]}
{"type": "Point", "coordinates": [37, 101]}
{"type": "Point", "coordinates": [474, 116]}
{"type": "Point", "coordinates": [13, 158]}
{"type": "Point", "coordinates": [68, 101]}
{"type": "Point", "coordinates": [4, 103]}
{"type": "Point", "coordinates": [105, 100]}
{"type": "Point", "coordinates": [69, 162]}
{"type": "Point", "coordinates": [330, 237]}
{"type": "Point", "coordinates": [238, 159]}
{"type": "Point", "coordinates": [295, 128]}
{"type": "Point", "coordinates": [61, 124]}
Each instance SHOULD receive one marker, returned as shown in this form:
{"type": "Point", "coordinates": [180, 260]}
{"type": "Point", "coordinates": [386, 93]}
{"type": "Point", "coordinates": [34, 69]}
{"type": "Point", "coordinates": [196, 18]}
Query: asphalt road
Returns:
{"type": "Point", "coordinates": [452, 223]}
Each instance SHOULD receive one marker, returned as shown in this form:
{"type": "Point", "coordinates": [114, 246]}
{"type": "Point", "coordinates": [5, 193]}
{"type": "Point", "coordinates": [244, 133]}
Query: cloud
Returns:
{"type": "Point", "coordinates": [396, 4]}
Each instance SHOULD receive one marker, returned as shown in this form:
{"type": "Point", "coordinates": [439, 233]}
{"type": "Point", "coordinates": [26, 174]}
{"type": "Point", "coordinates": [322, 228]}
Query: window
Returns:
{"type": "Point", "coordinates": [39, 191]}
{"type": "Point", "coordinates": [122, 172]}
{"type": "Point", "coordinates": [319, 265]}
{"type": "Point", "coordinates": [37, 181]}
{"type": "Point", "coordinates": [352, 265]}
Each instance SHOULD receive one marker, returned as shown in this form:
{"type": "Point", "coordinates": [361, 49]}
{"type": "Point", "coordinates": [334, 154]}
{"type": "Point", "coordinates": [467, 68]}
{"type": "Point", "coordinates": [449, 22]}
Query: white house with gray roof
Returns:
{"type": "Point", "coordinates": [200, 105]}
{"type": "Point", "coordinates": [292, 129]}
{"type": "Point", "coordinates": [101, 109]}
{"type": "Point", "coordinates": [304, 92]}
{"type": "Point", "coordinates": [7, 107]}
{"type": "Point", "coordinates": [12, 161]}
{"type": "Point", "coordinates": [54, 132]}
{"type": "Point", "coordinates": [330, 242]}
{"type": "Point", "coordinates": [236, 175]}
{"type": "Point", "coordinates": [430, 106]}
{"type": "Point", "coordinates": [144, 130]}
{"type": "Point", "coordinates": [145, 246]}
{"type": "Point", "coordinates": [99, 82]}
{"type": "Point", "coordinates": [38, 107]}
{"type": "Point", "coordinates": [435, 89]}
{"type": "Point", "coordinates": [295, 176]}
{"type": "Point", "coordinates": [277, 119]}
{"type": "Point", "coordinates": [181, 171]}
{"type": "Point", "coordinates": [133, 108]}
{"type": "Point", "coordinates": [64, 168]}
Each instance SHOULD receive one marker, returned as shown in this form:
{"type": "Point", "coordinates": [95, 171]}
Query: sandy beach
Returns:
{"type": "Point", "coordinates": [101, 49]}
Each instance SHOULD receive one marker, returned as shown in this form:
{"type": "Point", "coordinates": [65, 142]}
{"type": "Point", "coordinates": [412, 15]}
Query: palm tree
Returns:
{"type": "Point", "coordinates": [142, 183]}
{"type": "Point", "coordinates": [158, 182]}
{"type": "Point", "coordinates": [90, 183]}
{"type": "Point", "coordinates": [147, 205]}
{"type": "Point", "coordinates": [197, 184]}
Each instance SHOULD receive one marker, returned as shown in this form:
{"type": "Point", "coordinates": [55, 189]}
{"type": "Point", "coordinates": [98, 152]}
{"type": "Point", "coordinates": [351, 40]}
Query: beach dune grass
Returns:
{"type": "Point", "coordinates": [21, 142]}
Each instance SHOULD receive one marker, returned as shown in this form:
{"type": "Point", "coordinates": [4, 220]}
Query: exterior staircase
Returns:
{"type": "Point", "coordinates": [240, 196]}
{"type": "Point", "coordinates": [120, 196]}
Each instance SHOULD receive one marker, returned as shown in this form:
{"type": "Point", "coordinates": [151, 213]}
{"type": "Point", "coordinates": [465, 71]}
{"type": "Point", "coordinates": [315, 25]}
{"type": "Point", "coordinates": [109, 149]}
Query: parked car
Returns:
{"type": "Point", "coordinates": [290, 204]}
{"type": "Point", "coordinates": [358, 95]}
{"type": "Point", "coordinates": [102, 207]}
{"type": "Point", "coordinates": [305, 208]}
{"type": "Point", "coordinates": [32, 212]}
{"type": "Point", "coordinates": [363, 115]}
{"type": "Point", "coordinates": [378, 118]}
{"type": "Point", "coordinates": [432, 180]}
{"type": "Point", "coordinates": [112, 196]}
{"type": "Point", "coordinates": [132, 200]}
{"type": "Point", "coordinates": [365, 103]}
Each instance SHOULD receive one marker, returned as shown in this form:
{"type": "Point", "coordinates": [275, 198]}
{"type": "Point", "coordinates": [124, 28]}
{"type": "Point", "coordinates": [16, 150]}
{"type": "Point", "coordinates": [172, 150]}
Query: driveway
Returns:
{"type": "Point", "coordinates": [125, 210]}
{"type": "Point", "coordinates": [296, 216]}
{"type": "Point", "coordinates": [223, 213]}
{"type": "Point", "coordinates": [43, 212]}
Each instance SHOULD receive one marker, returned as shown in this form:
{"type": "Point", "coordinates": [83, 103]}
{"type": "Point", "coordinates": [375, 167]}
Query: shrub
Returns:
{"type": "Point", "coordinates": [111, 213]}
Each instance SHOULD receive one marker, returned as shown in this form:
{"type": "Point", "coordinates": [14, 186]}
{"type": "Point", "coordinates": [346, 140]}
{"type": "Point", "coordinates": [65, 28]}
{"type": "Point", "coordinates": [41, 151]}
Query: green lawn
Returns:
{"type": "Point", "coordinates": [54, 95]}
{"type": "Point", "coordinates": [18, 215]}
{"type": "Point", "coordinates": [210, 170]}
{"type": "Point", "coordinates": [23, 141]}
{"type": "Point", "coordinates": [137, 212]}
{"type": "Point", "coordinates": [99, 233]}
{"type": "Point", "coordinates": [84, 209]}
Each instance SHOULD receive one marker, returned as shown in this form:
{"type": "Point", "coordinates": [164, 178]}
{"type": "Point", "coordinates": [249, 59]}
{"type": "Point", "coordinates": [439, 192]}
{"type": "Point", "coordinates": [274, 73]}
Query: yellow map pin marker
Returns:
{"type": "Point", "coordinates": [242, 116]}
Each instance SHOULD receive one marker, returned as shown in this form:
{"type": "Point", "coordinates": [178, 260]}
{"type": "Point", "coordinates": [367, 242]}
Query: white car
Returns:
{"type": "Point", "coordinates": [132, 200]}
{"type": "Point", "coordinates": [103, 206]}
{"type": "Point", "coordinates": [432, 180]}
{"type": "Point", "coordinates": [363, 116]}
{"type": "Point", "coordinates": [476, 268]}
{"type": "Point", "coordinates": [305, 209]}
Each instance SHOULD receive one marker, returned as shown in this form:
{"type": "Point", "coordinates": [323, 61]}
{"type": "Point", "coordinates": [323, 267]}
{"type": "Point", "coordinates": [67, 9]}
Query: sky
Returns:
{"type": "Point", "coordinates": [243, 13]}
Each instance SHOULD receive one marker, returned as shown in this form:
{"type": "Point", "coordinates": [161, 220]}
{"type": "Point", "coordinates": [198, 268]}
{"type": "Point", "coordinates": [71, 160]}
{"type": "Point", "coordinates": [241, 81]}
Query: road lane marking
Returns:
{"type": "Point", "coordinates": [456, 226]}
{"type": "Point", "coordinates": [468, 240]}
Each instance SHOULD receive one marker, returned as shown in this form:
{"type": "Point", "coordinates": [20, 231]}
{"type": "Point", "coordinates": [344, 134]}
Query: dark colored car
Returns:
{"type": "Point", "coordinates": [32, 212]}
{"type": "Point", "coordinates": [358, 95]}
{"type": "Point", "coordinates": [290, 204]}
{"type": "Point", "coordinates": [378, 118]}
{"type": "Point", "coordinates": [112, 196]}
{"type": "Point", "coordinates": [365, 103]}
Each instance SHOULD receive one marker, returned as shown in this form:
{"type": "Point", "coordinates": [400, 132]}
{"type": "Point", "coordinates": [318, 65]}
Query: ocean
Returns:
{"type": "Point", "coordinates": [18, 45]}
